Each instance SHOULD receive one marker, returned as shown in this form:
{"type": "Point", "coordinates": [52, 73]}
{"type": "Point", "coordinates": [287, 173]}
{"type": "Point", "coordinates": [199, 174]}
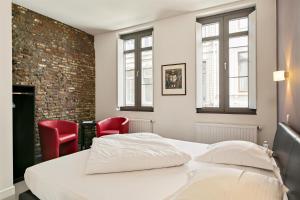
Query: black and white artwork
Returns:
{"type": "Point", "coordinates": [174, 79]}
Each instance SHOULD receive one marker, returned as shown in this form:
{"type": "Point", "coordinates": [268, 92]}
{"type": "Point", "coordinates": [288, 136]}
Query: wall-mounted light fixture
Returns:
{"type": "Point", "coordinates": [280, 75]}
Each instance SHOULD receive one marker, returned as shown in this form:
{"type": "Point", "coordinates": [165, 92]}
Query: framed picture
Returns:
{"type": "Point", "coordinates": [173, 79]}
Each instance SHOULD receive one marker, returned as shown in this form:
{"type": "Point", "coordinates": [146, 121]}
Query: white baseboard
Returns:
{"type": "Point", "coordinates": [7, 192]}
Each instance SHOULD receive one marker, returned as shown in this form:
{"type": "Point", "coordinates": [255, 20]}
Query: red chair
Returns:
{"type": "Point", "coordinates": [114, 125]}
{"type": "Point", "coordinates": [58, 138]}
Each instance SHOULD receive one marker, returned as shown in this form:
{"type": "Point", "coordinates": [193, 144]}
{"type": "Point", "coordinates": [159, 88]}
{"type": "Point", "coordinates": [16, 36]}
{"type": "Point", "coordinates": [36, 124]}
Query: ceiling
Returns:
{"type": "Point", "coordinates": [98, 16]}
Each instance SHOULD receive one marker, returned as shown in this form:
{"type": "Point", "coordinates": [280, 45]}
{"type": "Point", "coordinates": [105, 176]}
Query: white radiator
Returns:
{"type": "Point", "coordinates": [211, 133]}
{"type": "Point", "coordinates": [140, 125]}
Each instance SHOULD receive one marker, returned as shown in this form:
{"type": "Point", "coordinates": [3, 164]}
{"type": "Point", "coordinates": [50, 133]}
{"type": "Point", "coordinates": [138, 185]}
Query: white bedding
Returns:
{"type": "Point", "coordinates": [238, 153]}
{"type": "Point", "coordinates": [132, 152]}
{"type": "Point", "coordinates": [230, 184]}
{"type": "Point", "coordinates": [64, 178]}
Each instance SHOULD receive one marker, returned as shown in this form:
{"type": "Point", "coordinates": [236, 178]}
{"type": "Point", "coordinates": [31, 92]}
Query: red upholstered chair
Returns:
{"type": "Point", "coordinates": [58, 138]}
{"type": "Point", "coordinates": [114, 125]}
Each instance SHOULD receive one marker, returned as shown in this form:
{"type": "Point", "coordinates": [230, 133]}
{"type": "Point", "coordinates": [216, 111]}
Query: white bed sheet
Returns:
{"type": "Point", "coordinates": [64, 178]}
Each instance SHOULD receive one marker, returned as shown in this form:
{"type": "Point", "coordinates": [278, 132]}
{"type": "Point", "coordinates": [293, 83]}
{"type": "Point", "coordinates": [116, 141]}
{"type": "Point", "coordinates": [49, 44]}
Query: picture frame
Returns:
{"type": "Point", "coordinates": [173, 79]}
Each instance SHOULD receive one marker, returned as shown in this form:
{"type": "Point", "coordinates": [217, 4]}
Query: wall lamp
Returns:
{"type": "Point", "coordinates": [280, 75]}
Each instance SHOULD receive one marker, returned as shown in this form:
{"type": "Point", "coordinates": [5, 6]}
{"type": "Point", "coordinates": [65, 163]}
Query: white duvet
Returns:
{"type": "Point", "coordinates": [230, 184]}
{"type": "Point", "coordinates": [131, 152]}
{"type": "Point", "coordinates": [65, 179]}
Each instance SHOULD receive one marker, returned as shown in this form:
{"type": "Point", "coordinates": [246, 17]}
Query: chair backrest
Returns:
{"type": "Point", "coordinates": [62, 126]}
{"type": "Point", "coordinates": [115, 122]}
{"type": "Point", "coordinates": [49, 123]}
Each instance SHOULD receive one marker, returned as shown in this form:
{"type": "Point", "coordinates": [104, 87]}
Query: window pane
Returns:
{"type": "Point", "coordinates": [238, 56]}
{"type": "Point", "coordinates": [210, 30]}
{"type": "Point", "coordinates": [146, 41]}
{"type": "Point", "coordinates": [147, 78]}
{"type": "Point", "coordinates": [128, 44]}
{"type": "Point", "coordinates": [129, 61]}
{"type": "Point", "coordinates": [243, 63]}
{"type": "Point", "coordinates": [238, 72]}
{"type": "Point", "coordinates": [130, 81]}
{"type": "Point", "coordinates": [238, 96]}
{"type": "Point", "coordinates": [147, 95]}
{"type": "Point", "coordinates": [210, 74]}
{"type": "Point", "coordinates": [238, 25]}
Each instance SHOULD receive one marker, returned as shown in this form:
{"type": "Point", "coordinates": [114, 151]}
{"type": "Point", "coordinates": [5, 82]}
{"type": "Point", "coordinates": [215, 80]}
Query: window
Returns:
{"type": "Point", "coordinates": [226, 63]}
{"type": "Point", "coordinates": [135, 71]}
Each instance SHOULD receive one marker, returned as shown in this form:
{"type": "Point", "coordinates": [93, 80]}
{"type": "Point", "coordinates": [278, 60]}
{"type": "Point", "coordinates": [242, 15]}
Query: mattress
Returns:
{"type": "Point", "coordinates": [64, 178]}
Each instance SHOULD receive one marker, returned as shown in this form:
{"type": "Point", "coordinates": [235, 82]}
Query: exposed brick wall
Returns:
{"type": "Point", "coordinates": [59, 61]}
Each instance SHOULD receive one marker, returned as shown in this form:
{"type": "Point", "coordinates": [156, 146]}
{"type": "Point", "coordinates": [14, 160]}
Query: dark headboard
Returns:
{"type": "Point", "coordinates": [287, 155]}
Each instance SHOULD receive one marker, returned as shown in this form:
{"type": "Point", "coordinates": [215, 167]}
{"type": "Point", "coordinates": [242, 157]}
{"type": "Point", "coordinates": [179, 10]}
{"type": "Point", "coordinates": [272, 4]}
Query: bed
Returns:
{"type": "Point", "coordinates": [63, 178]}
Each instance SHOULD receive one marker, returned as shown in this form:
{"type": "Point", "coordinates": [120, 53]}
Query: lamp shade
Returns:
{"type": "Point", "coordinates": [280, 75]}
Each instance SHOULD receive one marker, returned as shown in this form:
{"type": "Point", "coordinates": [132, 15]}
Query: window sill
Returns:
{"type": "Point", "coordinates": [137, 109]}
{"type": "Point", "coordinates": [231, 111]}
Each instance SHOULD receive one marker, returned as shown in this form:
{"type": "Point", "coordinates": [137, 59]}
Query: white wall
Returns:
{"type": "Point", "coordinates": [174, 42]}
{"type": "Point", "coordinates": [6, 157]}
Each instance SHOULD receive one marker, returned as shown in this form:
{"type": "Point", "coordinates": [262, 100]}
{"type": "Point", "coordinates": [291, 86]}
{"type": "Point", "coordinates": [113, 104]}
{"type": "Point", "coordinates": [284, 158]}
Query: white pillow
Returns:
{"type": "Point", "coordinates": [230, 184]}
{"type": "Point", "coordinates": [237, 153]}
{"type": "Point", "coordinates": [130, 152]}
